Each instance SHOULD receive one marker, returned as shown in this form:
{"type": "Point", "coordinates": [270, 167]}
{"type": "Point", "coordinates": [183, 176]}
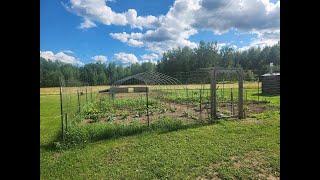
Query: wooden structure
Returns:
{"type": "Point", "coordinates": [271, 83]}
{"type": "Point", "coordinates": [214, 72]}
{"type": "Point", "coordinates": [125, 90]}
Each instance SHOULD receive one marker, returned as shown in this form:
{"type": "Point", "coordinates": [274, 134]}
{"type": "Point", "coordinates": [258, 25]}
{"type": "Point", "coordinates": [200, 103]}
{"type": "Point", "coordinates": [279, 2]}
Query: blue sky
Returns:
{"type": "Point", "coordinates": [85, 31]}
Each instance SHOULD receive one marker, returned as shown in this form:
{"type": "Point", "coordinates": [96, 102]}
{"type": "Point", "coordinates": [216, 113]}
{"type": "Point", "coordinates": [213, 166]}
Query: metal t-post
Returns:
{"type": "Point", "coordinates": [147, 98]}
{"type": "Point", "coordinates": [61, 112]}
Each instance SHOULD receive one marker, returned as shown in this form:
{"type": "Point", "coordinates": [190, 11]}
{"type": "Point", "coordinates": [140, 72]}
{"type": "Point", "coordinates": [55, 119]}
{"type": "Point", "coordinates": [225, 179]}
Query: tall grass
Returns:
{"type": "Point", "coordinates": [79, 135]}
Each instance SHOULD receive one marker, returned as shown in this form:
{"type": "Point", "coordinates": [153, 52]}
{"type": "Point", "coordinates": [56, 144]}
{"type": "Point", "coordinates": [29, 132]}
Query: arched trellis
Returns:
{"type": "Point", "coordinates": [148, 79]}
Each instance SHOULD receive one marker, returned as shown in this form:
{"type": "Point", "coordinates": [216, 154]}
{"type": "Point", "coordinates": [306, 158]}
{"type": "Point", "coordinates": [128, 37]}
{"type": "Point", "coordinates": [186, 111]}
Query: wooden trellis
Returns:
{"type": "Point", "coordinates": [214, 72]}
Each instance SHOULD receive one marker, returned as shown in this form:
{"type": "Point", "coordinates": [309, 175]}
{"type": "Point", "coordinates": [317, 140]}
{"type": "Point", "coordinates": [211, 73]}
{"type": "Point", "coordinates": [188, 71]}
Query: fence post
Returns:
{"type": "Point", "coordinates": [200, 100]}
{"type": "Point", "coordinates": [258, 89]}
{"type": "Point", "coordinates": [61, 111]}
{"type": "Point", "coordinates": [213, 112]}
{"type": "Point", "coordinates": [147, 91]}
{"type": "Point", "coordinates": [232, 107]}
{"type": "Point", "coordinates": [240, 95]}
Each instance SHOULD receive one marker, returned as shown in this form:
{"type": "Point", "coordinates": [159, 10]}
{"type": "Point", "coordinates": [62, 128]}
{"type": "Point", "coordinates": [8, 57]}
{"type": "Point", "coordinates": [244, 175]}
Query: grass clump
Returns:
{"type": "Point", "coordinates": [79, 135]}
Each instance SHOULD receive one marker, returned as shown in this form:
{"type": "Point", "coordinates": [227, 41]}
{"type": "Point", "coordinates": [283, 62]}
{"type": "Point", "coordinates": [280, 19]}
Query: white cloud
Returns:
{"type": "Point", "coordinates": [98, 11]}
{"type": "Point", "coordinates": [153, 58]}
{"type": "Point", "coordinates": [173, 29]}
{"type": "Point", "coordinates": [126, 58]}
{"type": "Point", "coordinates": [130, 39]}
{"type": "Point", "coordinates": [100, 58]}
{"type": "Point", "coordinates": [244, 15]}
{"type": "Point", "coordinates": [87, 24]}
{"type": "Point", "coordinates": [68, 51]}
{"type": "Point", "coordinates": [135, 43]}
{"type": "Point", "coordinates": [184, 19]}
{"type": "Point", "coordinates": [60, 56]}
{"type": "Point", "coordinates": [265, 38]}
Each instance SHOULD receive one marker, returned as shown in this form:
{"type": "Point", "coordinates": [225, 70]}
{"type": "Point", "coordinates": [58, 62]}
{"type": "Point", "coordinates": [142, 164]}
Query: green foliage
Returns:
{"type": "Point", "coordinates": [91, 111]}
{"type": "Point", "coordinates": [253, 60]}
{"type": "Point", "coordinates": [92, 73]}
{"type": "Point", "coordinates": [245, 149]}
{"type": "Point", "coordinates": [167, 124]}
{"type": "Point", "coordinates": [76, 137]}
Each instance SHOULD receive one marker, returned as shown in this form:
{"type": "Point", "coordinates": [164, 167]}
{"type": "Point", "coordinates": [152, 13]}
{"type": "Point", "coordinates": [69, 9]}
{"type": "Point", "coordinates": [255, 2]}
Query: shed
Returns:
{"type": "Point", "coordinates": [271, 83]}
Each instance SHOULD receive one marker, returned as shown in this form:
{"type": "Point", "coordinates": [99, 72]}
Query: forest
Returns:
{"type": "Point", "coordinates": [254, 61]}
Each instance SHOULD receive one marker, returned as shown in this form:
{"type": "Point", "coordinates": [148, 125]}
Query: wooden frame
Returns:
{"type": "Point", "coordinates": [213, 75]}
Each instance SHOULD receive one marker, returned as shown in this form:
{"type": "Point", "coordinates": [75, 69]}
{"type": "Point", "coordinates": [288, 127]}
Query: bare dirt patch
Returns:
{"type": "Point", "coordinates": [87, 121]}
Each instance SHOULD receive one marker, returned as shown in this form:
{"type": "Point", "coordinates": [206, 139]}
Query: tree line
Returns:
{"type": "Point", "coordinates": [91, 74]}
{"type": "Point", "coordinates": [255, 61]}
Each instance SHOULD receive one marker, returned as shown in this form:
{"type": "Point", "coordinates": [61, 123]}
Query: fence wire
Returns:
{"type": "Point", "coordinates": [150, 96]}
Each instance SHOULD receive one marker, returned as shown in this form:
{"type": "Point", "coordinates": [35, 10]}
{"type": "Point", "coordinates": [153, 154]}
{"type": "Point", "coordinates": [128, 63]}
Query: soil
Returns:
{"type": "Point", "coordinates": [187, 112]}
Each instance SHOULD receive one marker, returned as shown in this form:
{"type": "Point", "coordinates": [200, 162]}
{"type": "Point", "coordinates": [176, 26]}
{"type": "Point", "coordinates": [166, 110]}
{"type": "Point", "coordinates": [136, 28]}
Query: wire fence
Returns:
{"type": "Point", "coordinates": [151, 96]}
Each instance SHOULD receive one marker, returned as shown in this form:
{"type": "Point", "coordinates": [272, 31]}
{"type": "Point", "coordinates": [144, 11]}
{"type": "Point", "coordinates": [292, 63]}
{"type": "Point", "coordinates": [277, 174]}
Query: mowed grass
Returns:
{"type": "Point", "coordinates": [246, 149]}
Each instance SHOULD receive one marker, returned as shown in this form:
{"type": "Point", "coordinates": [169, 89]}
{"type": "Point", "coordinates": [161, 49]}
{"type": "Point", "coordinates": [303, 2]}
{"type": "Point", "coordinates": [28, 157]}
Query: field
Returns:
{"type": "Point", "coordinates": [228, 149]}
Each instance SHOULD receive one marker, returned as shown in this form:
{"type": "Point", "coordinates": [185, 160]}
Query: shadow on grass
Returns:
{"type": "Point", "coordinates": [80, 136]}
{"type": "Point", "coordinates": [50, 146]}
{"type": "Point", "coordinates": [265, 95]}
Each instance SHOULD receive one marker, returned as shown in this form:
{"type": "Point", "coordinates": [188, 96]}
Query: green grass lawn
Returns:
{"type": "Point", "coordinates": [246, 149]}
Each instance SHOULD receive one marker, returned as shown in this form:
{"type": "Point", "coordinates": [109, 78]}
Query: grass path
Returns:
{"type": "Point", "coordinates": [229, 149]}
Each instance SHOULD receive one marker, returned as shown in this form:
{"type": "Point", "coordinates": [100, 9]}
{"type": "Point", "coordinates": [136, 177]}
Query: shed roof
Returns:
{"type": "Point", "coordinates": [273, 74]}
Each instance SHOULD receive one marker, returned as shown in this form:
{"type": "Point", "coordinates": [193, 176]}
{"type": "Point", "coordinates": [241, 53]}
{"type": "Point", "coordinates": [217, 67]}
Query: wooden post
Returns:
{"type": "Point", "coordinates": [232, 106]}
{"type": "Point", "coordinates": [240, 92]}
{"type": "Point", "coordinates": [147, 98]}
{"type": "Point", "coordinates": [61, 112]}
{"type": "Point", "coordinates": [258, 90]}
{"type": "Point", "coordinates": [213, 101]}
